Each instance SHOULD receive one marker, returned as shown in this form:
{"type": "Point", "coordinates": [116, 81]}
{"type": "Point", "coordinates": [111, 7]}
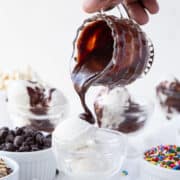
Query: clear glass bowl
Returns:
{"type": "Point", "coordinates": [130, 118]}
{"type": "Point", "coordinates": [101, 157]}
{"type": "Point", "coordinates": [43, 119]}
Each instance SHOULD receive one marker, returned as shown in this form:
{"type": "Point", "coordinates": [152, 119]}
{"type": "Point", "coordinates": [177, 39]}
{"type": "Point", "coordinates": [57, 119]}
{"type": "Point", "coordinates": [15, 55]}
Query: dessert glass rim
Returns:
{"type": "Point", "coordinates": [121, 138]}
{"type": "Point", "coordinates": [15, 167]}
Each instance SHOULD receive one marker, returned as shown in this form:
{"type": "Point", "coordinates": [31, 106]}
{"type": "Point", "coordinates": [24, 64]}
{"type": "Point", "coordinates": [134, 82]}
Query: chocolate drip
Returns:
{"type": "Point", "coordinates": [171, 92]}
{"type": "Point", "coordinates": [110, 52]}
{"type": "Point", "coordinates": [39, 102]}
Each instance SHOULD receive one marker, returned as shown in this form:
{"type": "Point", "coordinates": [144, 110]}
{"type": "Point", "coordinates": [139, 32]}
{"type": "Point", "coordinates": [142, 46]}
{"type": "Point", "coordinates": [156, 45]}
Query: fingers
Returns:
{"type": "Point", "coordinates": [151, 5]}
{"type": "Point", "coordinates": [137, 12]}
{"type": "Point", "coordinates": [137, 9]}
{"type": "Point", "coordinates": [91, 6]}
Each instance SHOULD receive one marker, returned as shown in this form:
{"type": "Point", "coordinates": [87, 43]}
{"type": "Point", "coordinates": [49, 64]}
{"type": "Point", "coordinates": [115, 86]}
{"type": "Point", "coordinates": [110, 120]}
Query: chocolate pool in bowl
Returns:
{"type": "Point", "coordinates": [31, 149]}
{"type": "Point", "coordinates": [108, 51]}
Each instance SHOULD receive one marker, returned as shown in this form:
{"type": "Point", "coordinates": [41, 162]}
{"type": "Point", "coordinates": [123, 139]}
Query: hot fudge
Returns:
{"type": "Point", "coordinates": [168, 93]}
{"type": "Point", "coordinates": [108, 51]}
{"type": "Point", "coordinates": [115, 109]}
{"type": "Point", "coordinates": [37, 104]}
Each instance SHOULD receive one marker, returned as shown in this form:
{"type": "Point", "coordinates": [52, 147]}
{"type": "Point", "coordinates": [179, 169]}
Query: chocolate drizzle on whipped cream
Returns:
{"type": "Point", "coordinates": [39, 101]}
{"type": "Point", "coordinates": [39, 98]}
{"type": "Point", "coordinates": [115, 109]}
{"type": "Point", "coordinates": [108, 51]}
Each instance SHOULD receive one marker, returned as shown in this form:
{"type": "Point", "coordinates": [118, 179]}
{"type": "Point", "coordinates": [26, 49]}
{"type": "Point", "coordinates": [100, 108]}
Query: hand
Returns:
{"type": "Point", "coordinates": [137, 9]}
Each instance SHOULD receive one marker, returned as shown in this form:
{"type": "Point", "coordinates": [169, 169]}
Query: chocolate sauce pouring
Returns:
{"type": "Point", "coordinates": [108, 51]}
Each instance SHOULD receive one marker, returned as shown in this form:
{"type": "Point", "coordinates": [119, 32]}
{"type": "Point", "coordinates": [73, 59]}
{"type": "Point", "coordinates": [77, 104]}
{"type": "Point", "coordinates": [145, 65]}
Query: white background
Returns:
{"type": "Point", "coordinates": [40, 33]}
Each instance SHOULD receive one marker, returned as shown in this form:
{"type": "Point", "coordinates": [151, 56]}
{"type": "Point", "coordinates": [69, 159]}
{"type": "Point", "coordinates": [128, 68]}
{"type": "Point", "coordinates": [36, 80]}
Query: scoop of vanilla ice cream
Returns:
{"type": "Point", "coordinates": [73, 133]}
{"type": "Point", "coordinates": [112, 102]}
{"type": "Point", "coordinates": [17, 93]}
{"type": "Point", "coordinates": [33, 101]}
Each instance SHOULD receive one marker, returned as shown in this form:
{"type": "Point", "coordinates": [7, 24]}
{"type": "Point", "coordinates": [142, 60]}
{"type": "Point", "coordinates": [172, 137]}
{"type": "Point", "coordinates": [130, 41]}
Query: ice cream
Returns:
{"type": "Point", "coordinates": [84, 150]}
{"type": "Point", "coordinates": [37, 104]}
{"type": "Point", "coordinates": [168, 94]}
{"type": "Point", "coordinates": [107, 106]}
{"type": "Point", "coordinates": [6, 76]}
{"type": "Point", "coordinates": [74, 133]}
{"type": "Point", "coordinates": [116, 109]}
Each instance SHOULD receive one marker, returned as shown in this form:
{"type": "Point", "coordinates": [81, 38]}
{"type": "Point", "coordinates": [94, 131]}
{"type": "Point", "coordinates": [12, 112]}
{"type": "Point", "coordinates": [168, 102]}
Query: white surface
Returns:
{"type": "Point", "coordinates": [34, 165]}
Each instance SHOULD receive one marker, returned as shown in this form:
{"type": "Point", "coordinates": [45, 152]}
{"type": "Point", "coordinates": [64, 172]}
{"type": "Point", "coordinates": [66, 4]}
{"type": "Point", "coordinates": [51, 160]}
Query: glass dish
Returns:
{"type": "Point", "coordinates": [101, 157]}
{"type": "Point", "coordinates": [43, 119]}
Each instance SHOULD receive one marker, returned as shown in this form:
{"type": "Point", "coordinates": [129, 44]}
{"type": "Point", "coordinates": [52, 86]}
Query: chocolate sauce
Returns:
{"type": "Point", "coordinates": [39, 101]}
{"type": "Point", "coordinates": [134, 118]}
{"type": "Point", "coordinates": [168, 94]}
{"type": "Point", "coordinates": [110, 52]}
{"type": "Point", "coordinates": [132, 123]}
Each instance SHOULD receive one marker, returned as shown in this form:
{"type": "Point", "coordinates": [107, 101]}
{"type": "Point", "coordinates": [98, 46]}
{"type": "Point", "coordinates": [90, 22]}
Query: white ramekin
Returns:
{"type": "Point", "coordinates": [38, 165]}
{"type": "Point", "coordinates": [149, 171]}
{"type": "Point", "coordinates": [14, 166]}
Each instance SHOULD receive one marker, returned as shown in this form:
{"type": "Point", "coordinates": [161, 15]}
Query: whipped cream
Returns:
{"type": "Point", "coordinates": [35, 101]}
{"type": "Point", "coordinates": [112, 102]}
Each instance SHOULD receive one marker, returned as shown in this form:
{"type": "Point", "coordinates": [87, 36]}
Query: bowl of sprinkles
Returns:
{"type": "Point", "coordinates": [9, 169]}
{"type": "Point", "coordinates": [161, 163]}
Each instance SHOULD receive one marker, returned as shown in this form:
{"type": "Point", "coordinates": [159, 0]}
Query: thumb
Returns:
{"type": "Point", "coordinates": [91, 6]}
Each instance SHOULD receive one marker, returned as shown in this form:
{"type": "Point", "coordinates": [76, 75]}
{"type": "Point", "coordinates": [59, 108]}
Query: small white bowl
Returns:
{"type": "Point", "coordinates": [38, 165]}
{"type": "Point", "coordinates": [15, 169]}
{"type": "Point", "coordinates": [149, 171]}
